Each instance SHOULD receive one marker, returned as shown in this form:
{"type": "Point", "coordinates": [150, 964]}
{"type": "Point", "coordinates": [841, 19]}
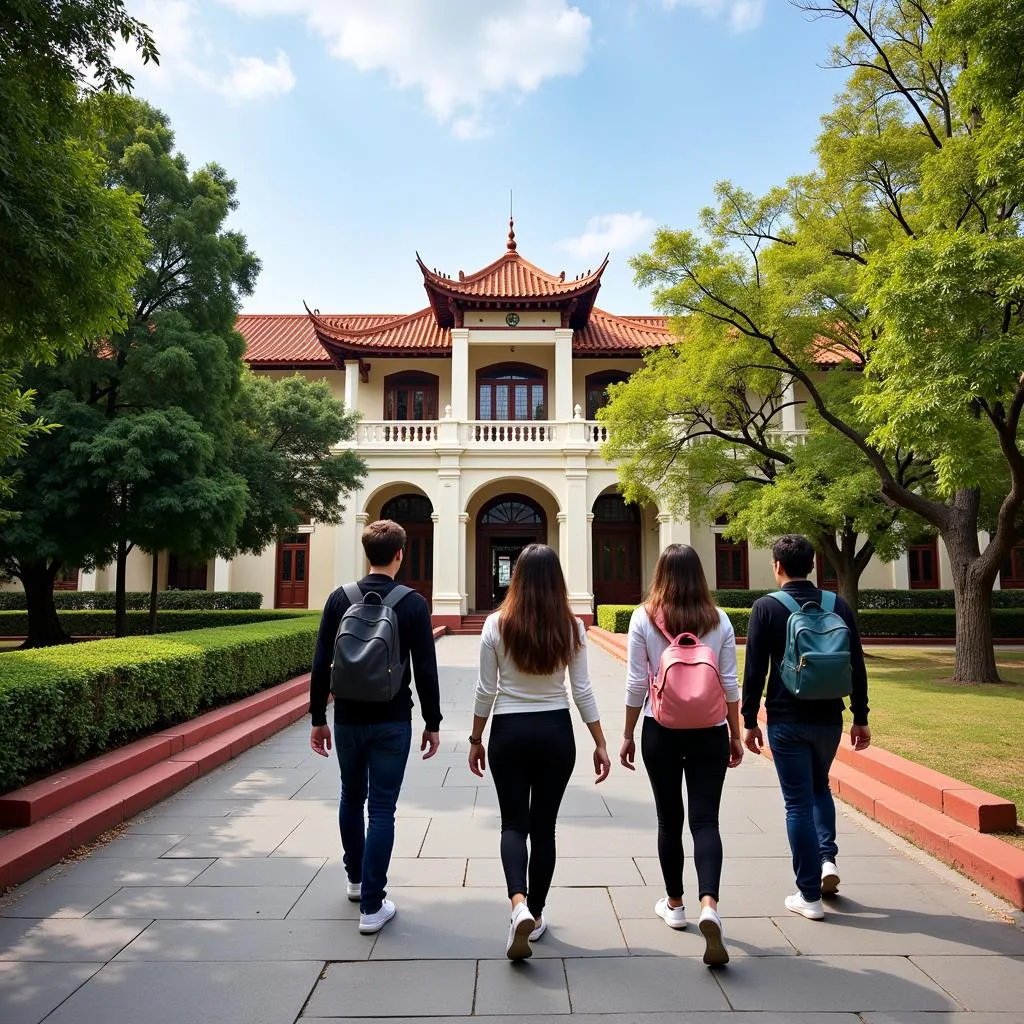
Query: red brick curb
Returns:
{"type": "Point", "coordinates": [935, 812]}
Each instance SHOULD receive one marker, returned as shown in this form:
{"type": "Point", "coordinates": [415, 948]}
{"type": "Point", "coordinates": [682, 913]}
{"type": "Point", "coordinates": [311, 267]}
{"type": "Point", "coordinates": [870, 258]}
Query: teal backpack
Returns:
{"type": "Point", "coordinates": [816, 664]}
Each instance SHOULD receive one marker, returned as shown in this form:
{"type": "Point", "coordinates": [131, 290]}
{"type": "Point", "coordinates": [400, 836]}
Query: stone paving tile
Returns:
{"type": "Point", "coordinates": [28, 991]}
{"type": "Point", "coordinates": [901, 933]}
{"type": "Point", "coordinates": [535, 987]}
{"type": "Point", "coordinates": [121, 871]}
{"type": "Point", "coordinates": [197, 903]}
{"type": "Point", "coordinates": [57, 900]}
{"type": "Point", "coordinates": [638, 984]}
{"type": "Point", "coordinates": [637, 901]}
{"type": "Point", "coordinates": [146, 847]}
{"type": "Point", "coordinates": [964, 1017]}
{"type": "Point", "coordinates": [170, 993]}
{"type": "Point", "coordinates": [237, 837]}
{"type": "Point", "coordinates": [66, 941]}
{"type": "Point", "coordinates": [320, 839]}
{"type": "Point", "coordinates": [585, 871]}
{"type": "Point", "coordinates": [997, 985]}
{"type": "Point", "coordinates": [269, 871]}
{"type": "Point", "coordinates": [832, 983]}
{"type": "Point", "coordinates": [424, 988]}
{"type": "Point", "coordinates": [677, 1017]}
{"type": "Point", "coordinates": [247, 941]}
{"type": "Point", "coordinates": [456, 835]}
{"type": "Point", "coordinates": [744, 936]}
{"type": "Point", "coordinates": [581, 922]}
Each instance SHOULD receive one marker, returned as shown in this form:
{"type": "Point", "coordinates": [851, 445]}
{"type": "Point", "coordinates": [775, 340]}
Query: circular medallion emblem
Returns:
{"type": "Point", "coordinates": [512, 319]}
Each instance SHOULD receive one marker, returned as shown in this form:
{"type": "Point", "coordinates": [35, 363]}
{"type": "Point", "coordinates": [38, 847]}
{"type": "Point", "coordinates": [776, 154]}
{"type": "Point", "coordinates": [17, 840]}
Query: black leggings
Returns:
{"type": "Point", "coordinates": [532, 755]}
{"type": "Point", "coordinates": [702, 756]}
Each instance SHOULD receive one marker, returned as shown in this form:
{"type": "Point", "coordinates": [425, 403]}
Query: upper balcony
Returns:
{"type": "Point", "coordinates": [478, 435]}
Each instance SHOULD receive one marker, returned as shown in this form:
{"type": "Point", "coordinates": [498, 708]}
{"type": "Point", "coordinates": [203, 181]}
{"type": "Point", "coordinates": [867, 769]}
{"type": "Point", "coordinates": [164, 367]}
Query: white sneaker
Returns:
{"type": "Point", "coordinates": [674, 917]}
{"type": "Point", "coordinates": [542, 927]}
{"type": "Point", "coordinates": [519, 930]}
{"type": "Point", "coordinates": [354, 891]}
{"type": "Point", "coordinates": [710, 925]}
{"type": "Point", "coordinates": [811, 909]}
{"type": "Point", "coordinates": [370, 923]}
{"type": "Point", "coordinates": [829, 878]}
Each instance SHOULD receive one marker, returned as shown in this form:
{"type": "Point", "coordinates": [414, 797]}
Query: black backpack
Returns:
{"type": "Point", "coordinates": [367, 663]}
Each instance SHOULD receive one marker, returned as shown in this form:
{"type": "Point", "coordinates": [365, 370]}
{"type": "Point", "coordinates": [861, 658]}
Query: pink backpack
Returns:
{"type": "Point", "coordinates": [687, 691]}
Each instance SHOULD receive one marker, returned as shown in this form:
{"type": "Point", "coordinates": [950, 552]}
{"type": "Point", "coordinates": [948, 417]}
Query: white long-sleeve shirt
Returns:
{"type": "Point", "coordinates": [647, 643]}
{"type": "Point", "coordinates": [504, 688]}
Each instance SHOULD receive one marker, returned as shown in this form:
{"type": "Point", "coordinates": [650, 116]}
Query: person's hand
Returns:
{"type": "Point", "coordinates": [860, 737]}
{"type": "Point", "coordinates": [320, 740]}
{"type": "Point", "coordinates": [753, 739]}
{"type": "Point", "coordinates": [602, 764]}
{"type": "Point", "coordinates": [477, 759]}
{"type": "Point", "coordinates": [627, 753]}
{"type": "Point", "coordinates": [735, 751]}
{"type": "Point", "coordinates": [430, 741]}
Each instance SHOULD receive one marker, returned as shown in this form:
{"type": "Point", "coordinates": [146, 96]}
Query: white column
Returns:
{"type": "Point", "coordinates": [347, 548]}
{"type": "Point", "coordinates": [789, 413]}
{"type": "Point", "coordinates": [563, 535]}
{"type": "Point", "coordinates": [463, 554]}
{"type": "Point", "coordinates": [901, 573]}
{"type": "Point", "coordinates": [563, 374]}
{"type": "Point", "coordinates": [352, 385]}
{"type": "Point", "coordinates": [221, 574]}
{"type": "Point", "coordinates": [460, 374]}
{"type": "Point", "coordinates": [358, 563]}
{"type": "Point", "coordinates": [590, 552]}
{"type": "Point", "coordinates": [448, 589]}
{"type": "Point", "coordinates": [664, 531]}
{"type": "Point", "coordinates": [87, 580]}
{"type": "Point", "coordinates": [577, 541]}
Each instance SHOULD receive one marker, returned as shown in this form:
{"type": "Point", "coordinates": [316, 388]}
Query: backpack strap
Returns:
{"type": "Point", "coordinates": [396, 595]}
{"type": "Point", "coordinates": [785, 600]}
{"type": "Point", "coordinates": [828, 601]}
{"type": "Point", "coordinates": [353, 593]}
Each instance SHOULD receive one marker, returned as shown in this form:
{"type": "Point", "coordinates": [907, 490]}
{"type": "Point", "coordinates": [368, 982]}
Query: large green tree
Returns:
{"type": "Point", "coordinates": [902, 253]}
{"type": "Point", "coordinates": [69, 245]}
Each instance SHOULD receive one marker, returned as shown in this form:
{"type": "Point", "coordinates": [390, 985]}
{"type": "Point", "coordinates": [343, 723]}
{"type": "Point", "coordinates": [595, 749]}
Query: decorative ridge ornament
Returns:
{"type": "Point", "coordinates": [511, 243]}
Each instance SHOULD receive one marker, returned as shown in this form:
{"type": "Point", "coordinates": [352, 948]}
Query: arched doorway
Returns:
{"type": "Point", "coordinates": [505, 526]}
{"type": "Point", "coordinates": [617, 566]}
{"type": "Point", "coordinates": [413, 513]}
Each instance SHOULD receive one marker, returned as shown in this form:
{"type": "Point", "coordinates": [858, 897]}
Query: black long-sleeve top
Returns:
{"type": "Point", "coordinates": [416, 643]}
{"type": "Point", "coordinates": [766, 646]}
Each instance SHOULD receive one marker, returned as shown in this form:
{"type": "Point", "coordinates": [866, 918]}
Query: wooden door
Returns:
{"type": "Point", "coordinates": [292, 589]}
{"type": "Point", "coordinates": [617, 567]}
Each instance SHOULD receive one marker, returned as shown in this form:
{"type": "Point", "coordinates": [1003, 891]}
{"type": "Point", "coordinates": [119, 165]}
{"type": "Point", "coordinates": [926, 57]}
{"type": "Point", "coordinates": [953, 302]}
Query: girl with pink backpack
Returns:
{"type": "Point", "coordinates": [681, 678]}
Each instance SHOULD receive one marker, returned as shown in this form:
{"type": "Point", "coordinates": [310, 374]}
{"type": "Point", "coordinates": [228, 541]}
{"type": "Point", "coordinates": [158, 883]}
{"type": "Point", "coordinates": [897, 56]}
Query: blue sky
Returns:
{"type": "Point", "coordinates": [361, 131]}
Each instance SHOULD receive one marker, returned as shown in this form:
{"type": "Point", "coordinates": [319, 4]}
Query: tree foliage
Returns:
{"type": "Point", "coordinates": [901, 255]}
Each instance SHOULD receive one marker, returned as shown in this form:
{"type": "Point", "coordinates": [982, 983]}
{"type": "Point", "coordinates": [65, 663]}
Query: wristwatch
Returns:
{"type": "Point", "coordinates": [475, 740]}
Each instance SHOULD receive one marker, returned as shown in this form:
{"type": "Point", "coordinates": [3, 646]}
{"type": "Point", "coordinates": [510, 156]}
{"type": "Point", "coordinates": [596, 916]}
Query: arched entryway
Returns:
{"type": "Point", "coordinates": [413, 513]}
{"type": "Point", "coordinates": [505, 525]}
{"type": "Point", "coordinates": [617, 556]}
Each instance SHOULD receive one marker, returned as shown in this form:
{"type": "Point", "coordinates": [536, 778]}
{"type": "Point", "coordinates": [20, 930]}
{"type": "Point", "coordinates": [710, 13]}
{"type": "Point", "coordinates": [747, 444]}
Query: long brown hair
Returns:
{"type": "Point", "coordinates": [537, 626]}
{"type": "Point", "coordinates": [680, 592]}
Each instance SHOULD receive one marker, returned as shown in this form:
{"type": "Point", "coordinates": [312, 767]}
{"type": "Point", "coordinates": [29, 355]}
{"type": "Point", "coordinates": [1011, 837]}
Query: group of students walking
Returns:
{"type": "Point", "coordinates": [681, 681]}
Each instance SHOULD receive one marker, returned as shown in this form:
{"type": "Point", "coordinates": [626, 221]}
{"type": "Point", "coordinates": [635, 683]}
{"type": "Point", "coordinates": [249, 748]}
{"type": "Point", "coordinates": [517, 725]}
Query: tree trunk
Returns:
{"type": "Point", "coordinates": [120, 600]}
{"type": "Point", "coordinates": [154, 583]}
{"type": "Point", "coordinates": [848, 584]}
{"type": "Point", "coordinates": [44, 628]}
{"type": "Point", "coordinates": [972, 591]}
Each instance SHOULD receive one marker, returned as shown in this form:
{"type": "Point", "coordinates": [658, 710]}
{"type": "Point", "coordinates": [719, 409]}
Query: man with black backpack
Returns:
{"type": "Point", "coordinates": [806, 641]}
{"type": "Point", "coordinates": [370, 634]}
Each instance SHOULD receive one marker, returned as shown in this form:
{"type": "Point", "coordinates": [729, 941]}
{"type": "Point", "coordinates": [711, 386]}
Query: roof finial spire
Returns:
{"type": "Point", "coordinates": [511, 243]}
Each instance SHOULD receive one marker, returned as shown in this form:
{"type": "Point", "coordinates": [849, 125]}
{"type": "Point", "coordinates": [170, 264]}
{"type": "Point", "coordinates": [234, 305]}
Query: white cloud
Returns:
{"type": "Point", "coordinates": [608, 232]}
{"type": "Point", "coordinates": [187, 53]}
{"type": "Point", "coordinates": [743, 15]}
{"type": "Point", "coordinates": [460, 54]}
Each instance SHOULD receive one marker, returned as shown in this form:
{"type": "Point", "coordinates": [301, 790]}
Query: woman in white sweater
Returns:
{"type": "Point", "coordinates": [680, 602]}
{"type": "Point", "coordinates": [525, 649]}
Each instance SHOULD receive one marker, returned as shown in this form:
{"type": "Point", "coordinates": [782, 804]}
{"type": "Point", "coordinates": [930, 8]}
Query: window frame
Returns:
{"type": "Point", "coordinates": [429, 383]}
{"type": "Point", "coordinates": [724, 545]}
{"type": "Point", "coordinates": [914, 551]}
{"type": "Point", "coordinates": [490, 376]}
{"type": "Point", "coordinates": [601, 379]}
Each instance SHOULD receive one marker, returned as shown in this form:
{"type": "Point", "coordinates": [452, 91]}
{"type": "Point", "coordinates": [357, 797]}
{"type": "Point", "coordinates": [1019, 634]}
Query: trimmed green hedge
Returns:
{"type": "Point", "coordinates": [1007, 623]}
{"type": "Point", "coordinates": [101, 623]}
{"type": "Point", "coordinates": [168, 600]}
{"type": "Point", "coordinates": [59, 705]}
{"type": "Point", "coordinates": [871, 598]}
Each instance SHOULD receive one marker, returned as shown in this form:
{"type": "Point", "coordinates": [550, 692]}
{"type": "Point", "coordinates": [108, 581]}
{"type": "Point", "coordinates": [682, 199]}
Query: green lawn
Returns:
{"type": "Point", "coordinates": [972, 733]}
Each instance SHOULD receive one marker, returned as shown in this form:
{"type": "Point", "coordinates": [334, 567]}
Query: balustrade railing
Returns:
{"type": "Point", "coordinates": [399, 433]}
{"type": "Point", "coordinates": [511, 434]}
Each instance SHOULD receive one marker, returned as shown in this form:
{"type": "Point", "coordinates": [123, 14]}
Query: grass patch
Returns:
{"type": "Point", "coordinates": [969, 732]}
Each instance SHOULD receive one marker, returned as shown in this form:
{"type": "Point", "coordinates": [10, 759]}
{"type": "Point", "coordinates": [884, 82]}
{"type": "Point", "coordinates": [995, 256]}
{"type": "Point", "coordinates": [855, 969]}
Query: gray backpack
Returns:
{"type": "Point", "coordinates": [367, 663]}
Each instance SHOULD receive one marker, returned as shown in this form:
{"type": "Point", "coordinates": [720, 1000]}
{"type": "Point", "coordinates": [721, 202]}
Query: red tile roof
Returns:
{"type": "Point", "coordinates": [285, 339]}
{"type": "Point", "coordinates": [615, 335]}
{"type": "Point", "coordinates": [511, 277]}
{"type": "Point", "coordinates": [353, 336]}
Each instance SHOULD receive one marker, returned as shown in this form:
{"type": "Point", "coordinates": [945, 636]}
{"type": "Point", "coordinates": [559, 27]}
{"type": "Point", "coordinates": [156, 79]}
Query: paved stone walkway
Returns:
{"type": "Point", "coordinates": [225, 905]}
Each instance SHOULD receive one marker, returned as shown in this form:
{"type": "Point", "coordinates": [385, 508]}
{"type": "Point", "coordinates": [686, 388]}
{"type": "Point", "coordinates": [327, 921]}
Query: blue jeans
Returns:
{"type": "Point", "coordinates": [803, 754]}
{"type": "Point", "coordinates": [372, 760]}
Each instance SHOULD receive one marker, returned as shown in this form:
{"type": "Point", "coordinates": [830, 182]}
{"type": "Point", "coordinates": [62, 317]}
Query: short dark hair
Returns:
{"type": "Point", "coordinates": [795, 553]}
{"type": "Point", "coordinates": [382, 540]}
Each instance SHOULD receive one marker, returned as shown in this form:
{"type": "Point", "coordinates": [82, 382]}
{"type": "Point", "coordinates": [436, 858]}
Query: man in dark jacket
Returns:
{"type": "Point", "coordinates": [373, 737]}
{"type": "Point", "coordinates": [804, 735]}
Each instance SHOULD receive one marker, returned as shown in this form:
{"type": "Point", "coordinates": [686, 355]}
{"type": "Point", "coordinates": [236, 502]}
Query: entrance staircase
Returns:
{"type": "Point", "coordinates": [471, 625]}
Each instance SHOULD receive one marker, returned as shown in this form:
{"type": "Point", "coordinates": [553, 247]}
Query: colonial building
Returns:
{"type": "Point", "coordinates": [478, 426]}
